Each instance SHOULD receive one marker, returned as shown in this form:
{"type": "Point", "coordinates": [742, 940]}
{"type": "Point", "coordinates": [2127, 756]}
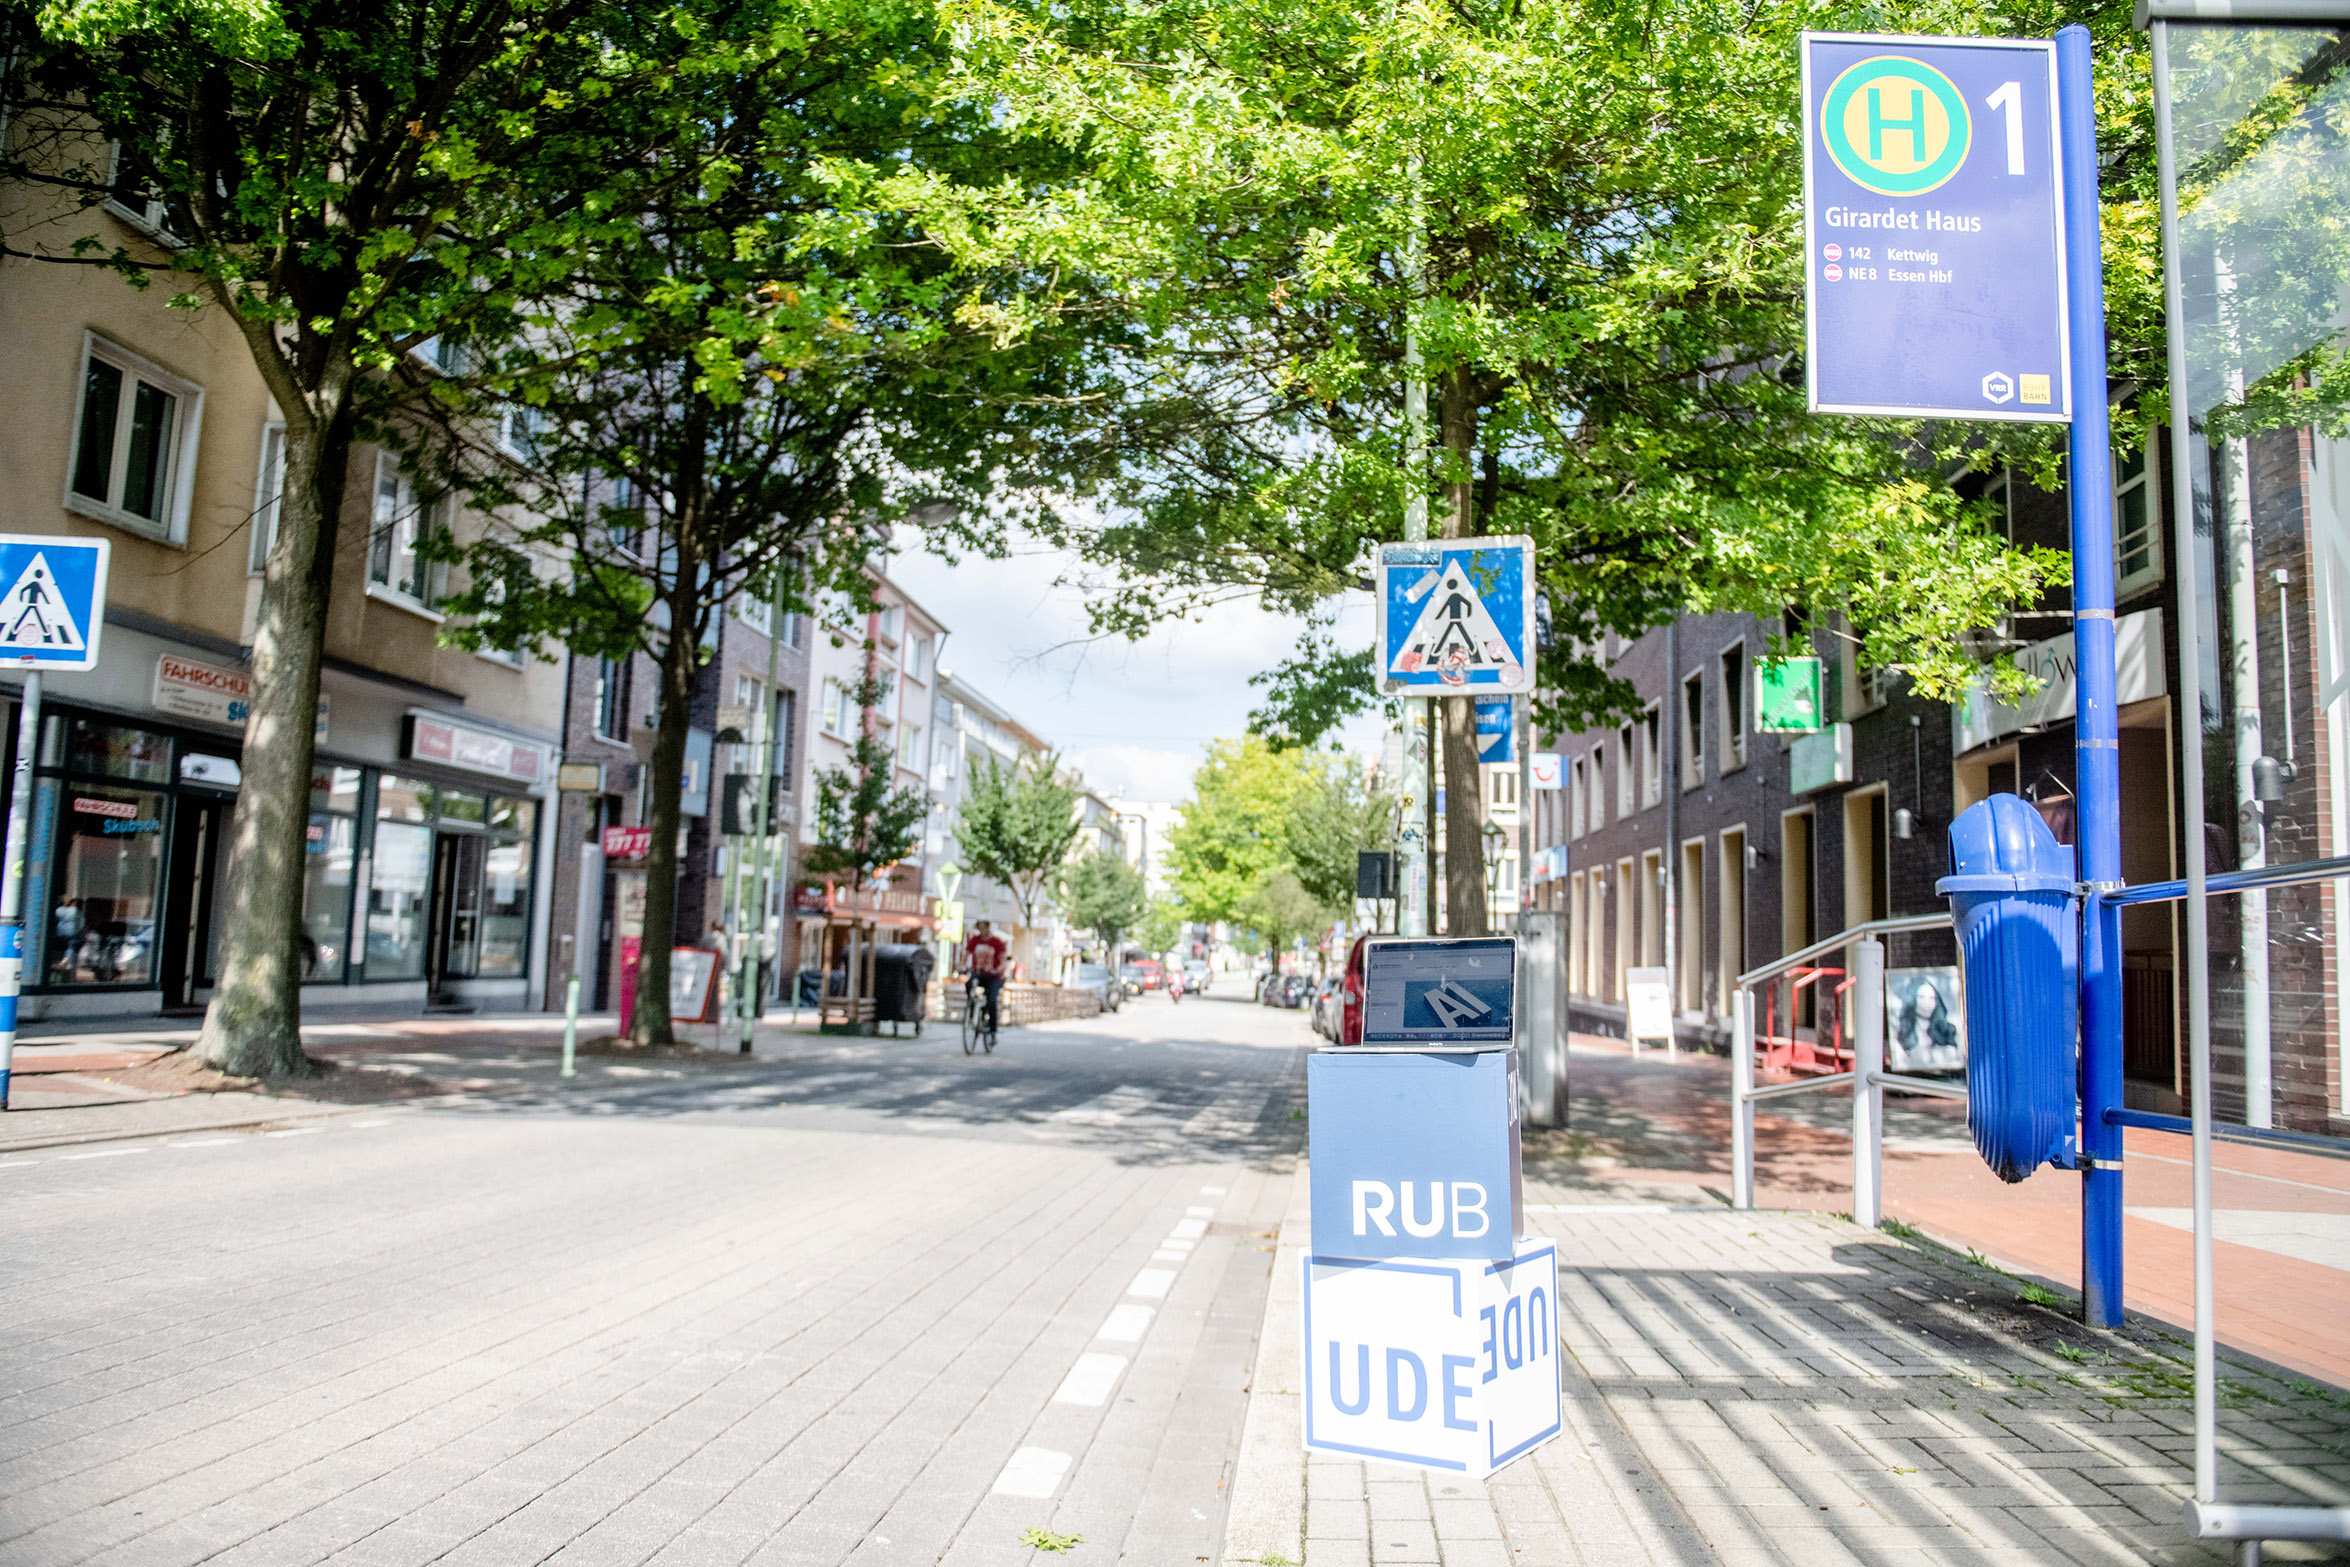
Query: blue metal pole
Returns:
{"type": "Point", "coordinates": [2096, 734]}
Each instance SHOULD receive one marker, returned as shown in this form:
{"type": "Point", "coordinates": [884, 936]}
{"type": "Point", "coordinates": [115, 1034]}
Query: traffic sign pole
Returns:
{"type": "Point", "coordinates": [2096, 730]}
{"type": "Point", "coordinates": [20, 810]}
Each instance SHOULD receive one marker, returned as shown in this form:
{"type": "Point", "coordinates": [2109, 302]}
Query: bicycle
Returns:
{"type": "Point", "coordinates": [974, 1031]}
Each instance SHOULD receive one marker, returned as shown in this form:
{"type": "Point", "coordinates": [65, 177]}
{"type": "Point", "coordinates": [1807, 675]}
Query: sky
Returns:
{"type": "Point", "coordinates": [1135, 716]}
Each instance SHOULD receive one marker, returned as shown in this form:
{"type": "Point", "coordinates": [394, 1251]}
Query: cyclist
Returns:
{"type": "Point", "coordinates": [983, 965]}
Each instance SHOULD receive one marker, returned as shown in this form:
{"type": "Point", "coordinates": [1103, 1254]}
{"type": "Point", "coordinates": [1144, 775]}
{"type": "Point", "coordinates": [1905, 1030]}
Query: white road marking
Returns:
{"type": "Point", "coordinates": [1188, 1230]}
{"type": "Point", "coordinates": [377, 1120]}
{"type": "Point", "coordinates": [19, 1164]}
{"type": "Point", "coordinates": [1091, 1380]}
{"type": "Point", "coordinates": [1152, 1283]}
{"type": "Point", "coordinates": [1033, 1471]}
{"type": "Point", "coordinates": [294, 1131]}
{"type": "Point", "coordinates": [1177, 1244]}
{"type": "Point", "coordinates": [200, 1142]}
{"type": "Point", "coordinates": [1125, 1324]}
{"type": "Point", "coordinates": [103, 1153]}
{"type": "Point", "coordinates": [1211, 1191]}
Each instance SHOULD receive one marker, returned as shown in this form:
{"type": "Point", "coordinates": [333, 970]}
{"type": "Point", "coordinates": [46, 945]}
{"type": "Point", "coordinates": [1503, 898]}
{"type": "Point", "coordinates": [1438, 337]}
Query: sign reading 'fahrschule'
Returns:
{"type": "Point", "coordinates": [1934, 243]}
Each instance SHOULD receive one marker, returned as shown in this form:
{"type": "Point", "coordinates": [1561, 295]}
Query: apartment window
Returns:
{"type": "Point", "coordinates": [519, 429]}
{"type": "Point", "coordinates": [268, 485]}
{"type": "Point", "coordinates": [1598, 787]}
{"type": "Point", "coordinates": [1624, 785]}
{"type": "Point", "coordinates": [887, 707]}
{"type": "Point", "coordinates": [836, 708]}
{"type": "Point", "coordinates": [795, 629]}
{"type": "Point", "coordinates": [893, 619]}
{"type": "Point", "coordinates": [1575, 800]}
{"type": "Point", "coordinates": [1733, 683]}
{"type": "Point", "coordinates": [918, 660]}
{"type": "Point", "coordinates": [611, 697]}
{"type": "Point", "coordinates": [404, 521]}
{"type": "Point", "coordinates": [1652, 757]}
{"type": "Point", "coordinates": [134, 442]}
{"type": "Point", "coordinates": [910, 747]}
{"type": "Point", "coordinates": [2137, 552]}
{"type": "Point", "coordinates": [787, 712]}
{"type": "Point", "coordinates": [1504, 788]}
{"type": "Point", "coordinates": [624, 516]}
{"type": "Point", "coordinates": [753, 609]}
{"type": "Point", "coordinates": [1693, 731]}
{"type": "Point", "coordinates": [131, 195]}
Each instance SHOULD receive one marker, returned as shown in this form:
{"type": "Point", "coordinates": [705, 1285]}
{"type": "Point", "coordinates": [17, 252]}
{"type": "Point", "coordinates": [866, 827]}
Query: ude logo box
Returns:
{"type": "Point", "coordinates": [1415, 1154]}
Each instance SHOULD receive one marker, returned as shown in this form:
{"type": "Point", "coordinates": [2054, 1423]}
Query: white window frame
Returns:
{"type": "Point", "coordinates": [1652, 755]}
{"type": "Point", "coordinates": [1575, 802]}
{"type": "Point", "coordinates": [833, 717]}
{"type": "Point", "coordinates": [1733, 694]}
{"type": "Point", "coordinates": [909, 747]}
{"type": "Point", "coordinates": [1627, 771]}
{"type": "Point", "coordinates": [2150, 483]}
{"type": "Point", "coordinates": [529, 420]}
{"type": "Point", "coordinates": [1693, 726]}
{"type": "Point", "coordinates": [411, 516]}
{"type": "Point", "coordinates": [611, 681]}
{"type": "Point", "coordinates": [149, 216]}
{"type": "Point", "coordinates": [180, 474]}
{"type": "Point", "coordinates": [269, 487]}
{"type": "Point", "coordinates": [1598, 787]}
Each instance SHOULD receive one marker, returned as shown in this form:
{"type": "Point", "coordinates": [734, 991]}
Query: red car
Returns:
{"type": "Point", "coordinates": [1350, 1011]}
{"type": "Point", "coordinates": [1143, 974]}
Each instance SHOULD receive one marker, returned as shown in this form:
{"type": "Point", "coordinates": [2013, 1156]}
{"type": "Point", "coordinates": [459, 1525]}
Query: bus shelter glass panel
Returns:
{"type": "Point", "coordinates": [2260, 124]}
{"type": "Point", "coordinates": [109, 875]}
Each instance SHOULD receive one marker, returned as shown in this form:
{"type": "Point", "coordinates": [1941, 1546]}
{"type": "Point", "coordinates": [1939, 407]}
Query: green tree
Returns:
{"type": "Point", "coordinates": [1580, 221]}
{"type": "Point", "coordinates": [747, 373]}
{"type": "Point", "coordinates": [1018, 825]}
{"type": "Point", "coordinates": [1280, 910]}
{"type": "Point", "coordinates": [1233, 833]}
{"type": "Point", "coordinates": [1100, 892]}
{"type": "Point", "coordinates": [863, 825]}
{"type": "Point", "coordinates": [346, 184]}
{"type": "Point", "coordinates": [1162, 925]}
{"type": "Point", "coordinates": [1336, 816]}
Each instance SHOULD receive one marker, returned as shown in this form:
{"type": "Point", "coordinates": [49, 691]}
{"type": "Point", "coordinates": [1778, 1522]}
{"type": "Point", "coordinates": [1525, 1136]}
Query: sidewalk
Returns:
{"type": "Point", "coordinates": [1782, 1387]}
{"type": "Point", "coordinates": [2282, 1218]}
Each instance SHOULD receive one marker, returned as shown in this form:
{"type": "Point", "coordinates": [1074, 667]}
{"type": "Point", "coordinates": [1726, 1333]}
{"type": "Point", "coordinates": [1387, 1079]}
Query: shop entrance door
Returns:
{"type": "Point", "coordinates": [196, 854]}
{"type": "Point", "coordinates": [454, 951]}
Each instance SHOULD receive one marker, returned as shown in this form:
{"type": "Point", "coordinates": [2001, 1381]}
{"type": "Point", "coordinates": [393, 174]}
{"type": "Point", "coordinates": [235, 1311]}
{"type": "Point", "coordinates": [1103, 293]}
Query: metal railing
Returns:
{"type": "Point", "coordinates": [1868, 1076]}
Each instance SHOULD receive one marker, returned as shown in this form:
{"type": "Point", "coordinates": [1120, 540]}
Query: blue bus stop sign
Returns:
{"type": "Point", "coordinates": [55, 600]}
{"type": "Point", "coordinates": [1934, 243]}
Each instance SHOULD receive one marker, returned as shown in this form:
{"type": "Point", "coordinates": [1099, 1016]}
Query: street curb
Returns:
{"type": "Point", "coordinates": [1267, 1520]}
{"type": "Point", "coordinates": [270, 1118]}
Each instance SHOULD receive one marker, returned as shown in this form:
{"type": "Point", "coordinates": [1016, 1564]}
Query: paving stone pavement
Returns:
{"type": "Point", "coordinates": [1777, 1387]}
{"type": "Point", "coordinates": [868, 1302]}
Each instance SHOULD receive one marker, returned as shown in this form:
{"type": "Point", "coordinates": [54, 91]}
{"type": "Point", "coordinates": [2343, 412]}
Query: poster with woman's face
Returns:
{"type": "Point", "coordinates": [1925, 1020]}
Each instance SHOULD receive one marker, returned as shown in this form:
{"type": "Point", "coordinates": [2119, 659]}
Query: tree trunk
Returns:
{"type": "Point", "coordinates": [1464, 783]}
{"type": "Point", "coordinates": [253, 1026]}
{"type": "Point", "coordinates": [680, 662]}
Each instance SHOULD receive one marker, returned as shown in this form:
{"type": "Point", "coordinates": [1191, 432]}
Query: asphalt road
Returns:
{"type": "Point", "coordinates": [870, 1302]}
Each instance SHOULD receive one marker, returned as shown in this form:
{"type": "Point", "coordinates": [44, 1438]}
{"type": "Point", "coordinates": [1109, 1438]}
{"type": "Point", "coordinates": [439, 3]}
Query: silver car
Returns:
{"type": "Point", "coordinates": [1099, 980]}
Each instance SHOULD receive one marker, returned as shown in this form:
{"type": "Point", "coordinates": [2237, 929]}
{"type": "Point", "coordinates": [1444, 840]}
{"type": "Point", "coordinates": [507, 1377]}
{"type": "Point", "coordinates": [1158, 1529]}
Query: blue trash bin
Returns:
{"type": "Point", "coordinates": [2011, 895]}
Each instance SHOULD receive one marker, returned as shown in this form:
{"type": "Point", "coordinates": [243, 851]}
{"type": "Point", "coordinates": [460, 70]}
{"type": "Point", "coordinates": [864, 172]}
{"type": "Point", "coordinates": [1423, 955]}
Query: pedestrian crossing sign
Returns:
{"type": "Point", "coordinates": [1456, 616]}
{"type": "Point", "coordinates": [56, 601]}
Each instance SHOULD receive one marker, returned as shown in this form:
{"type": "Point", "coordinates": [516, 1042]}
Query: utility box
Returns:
{"type": "Point", "coordinates": [2012, 897]}
{"type": "Point", "coordinates": [1542, 1016]}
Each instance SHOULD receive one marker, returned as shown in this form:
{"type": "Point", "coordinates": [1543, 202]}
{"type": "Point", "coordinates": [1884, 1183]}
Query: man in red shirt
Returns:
{"type": "Point", "coordinates": [984, 953]}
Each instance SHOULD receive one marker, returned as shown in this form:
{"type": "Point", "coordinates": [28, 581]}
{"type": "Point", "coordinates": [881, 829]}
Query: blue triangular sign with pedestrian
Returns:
{"type": "Point", "coordinates": [55, 600]}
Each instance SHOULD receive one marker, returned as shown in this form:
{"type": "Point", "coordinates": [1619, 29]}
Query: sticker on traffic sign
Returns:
{"type": "Point", "coordinates": [1933, 232]}
{"type": "Point", "coordinates": [1456, 616]}
{"type": "Point", "coordinates": [56, 603]}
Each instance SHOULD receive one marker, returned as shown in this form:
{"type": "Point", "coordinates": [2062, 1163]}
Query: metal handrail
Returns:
{"type": "Point", "coordinates": [1841, 939]}
{"type": "Point", "coordinates": [2296, 875]}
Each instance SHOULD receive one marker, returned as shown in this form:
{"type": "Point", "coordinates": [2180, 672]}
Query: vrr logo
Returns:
{"type": "Point", "coordinates": [1998, 387]}
{"type": "Point", "coordinates": [1896, 126]}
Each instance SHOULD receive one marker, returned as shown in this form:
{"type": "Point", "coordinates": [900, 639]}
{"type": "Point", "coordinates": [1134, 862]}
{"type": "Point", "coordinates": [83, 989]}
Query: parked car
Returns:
{"type": "Point", "coordinates": [1195, 976]}
{"type": "Point", "coordinates": [1293, 990]}
{"type": "Point", "coordinates": [1097, 978]}
{"type": "Point", "coordinates": [1269, 987]}
{"type": "Point", "coordinates": [1153, 975]}
{"type": "Point", "coordinates": [1350, 1006]}
{"type": "Point", "coordinates": [1324, 1000]}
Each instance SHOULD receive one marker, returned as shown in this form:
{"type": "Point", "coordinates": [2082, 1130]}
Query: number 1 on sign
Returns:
{"type": "Point", "coordinates": [2010, 100]}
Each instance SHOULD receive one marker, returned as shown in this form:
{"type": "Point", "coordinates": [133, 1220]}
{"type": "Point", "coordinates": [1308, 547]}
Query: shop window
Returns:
{"type": "Point", "coordinates": [326, 895]}
{"type": "Point", "coordinates": [403, 800]}
{"type": "Point", "coordinates": [505, 893]}
{"type": "Point", "coordinates": [135, 437]}
{"type": "Point", "coordinates": [396, 899]}
{"type": "Point", "coordinates": [109, 750]}
{"type": "Point", "coordinates": [102, 922]}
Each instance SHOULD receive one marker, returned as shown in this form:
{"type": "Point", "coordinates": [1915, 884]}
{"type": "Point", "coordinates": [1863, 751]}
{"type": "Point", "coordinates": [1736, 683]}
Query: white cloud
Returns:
{"type": "Point", "coordinates": [1135, 715]}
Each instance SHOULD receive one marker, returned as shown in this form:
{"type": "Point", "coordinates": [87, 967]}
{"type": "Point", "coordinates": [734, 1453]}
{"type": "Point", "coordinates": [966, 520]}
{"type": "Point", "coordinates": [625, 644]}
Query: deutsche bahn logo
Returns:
{"type": "Point", "coordinates": [1896, 126]}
